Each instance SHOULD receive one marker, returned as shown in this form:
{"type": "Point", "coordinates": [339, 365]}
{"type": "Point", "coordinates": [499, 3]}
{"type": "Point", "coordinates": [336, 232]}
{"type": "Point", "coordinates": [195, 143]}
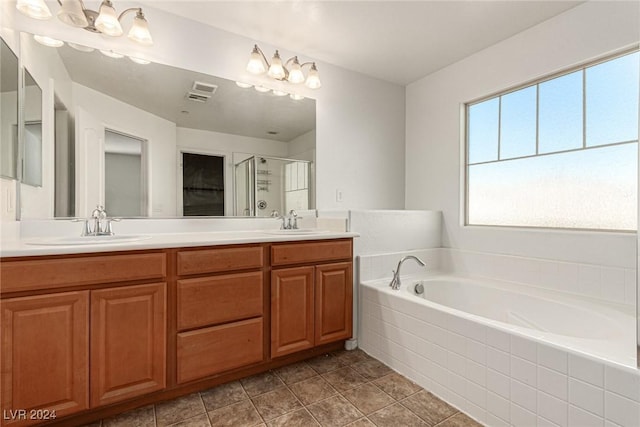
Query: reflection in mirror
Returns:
{"type": "Point", "coordinates": [267, 186]}
{"type": "Point", "coordinates": [32, 136]}
{"type": "Point", "coordinates": [125, 178]}
{"type": "Point", "coordinates": [64, 161]}
{"type": "Point", "coordinates": [174, 111]}
{"type": "Point", "coordinates": [202, 185]}
{"type": "Point", "coordinates": [8, 111]}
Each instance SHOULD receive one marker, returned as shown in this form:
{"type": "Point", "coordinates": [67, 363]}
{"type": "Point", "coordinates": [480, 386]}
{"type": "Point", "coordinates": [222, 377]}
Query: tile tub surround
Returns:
{"type": "Point", "coordinates": [346, 388]}
{"type": "Point", "coordinates": [497, 378]}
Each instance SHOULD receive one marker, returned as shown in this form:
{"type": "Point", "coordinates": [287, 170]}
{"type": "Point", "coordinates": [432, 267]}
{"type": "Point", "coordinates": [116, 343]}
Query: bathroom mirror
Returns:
{"type": "Point", "coordinates": [32, 132]}
{"type": "Point", "coordinates": [8, 112]}
{"type": "Point", "coordinates": [172, 112]}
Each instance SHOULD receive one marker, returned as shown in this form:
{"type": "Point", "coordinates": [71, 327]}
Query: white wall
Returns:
{"type": "Point", "coordinates": [434, 150]}
{"type": "Point", "coordinates": [159, 133]}
{"type": "Point", "coordinates": [360, 120]}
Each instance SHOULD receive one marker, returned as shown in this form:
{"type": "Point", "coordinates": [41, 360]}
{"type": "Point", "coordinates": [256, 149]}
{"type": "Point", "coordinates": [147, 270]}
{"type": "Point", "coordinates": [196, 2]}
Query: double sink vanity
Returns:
{"type": "Point", "coordinates": [91, 329]}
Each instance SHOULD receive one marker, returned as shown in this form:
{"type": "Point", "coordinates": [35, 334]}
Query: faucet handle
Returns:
{"type": "Point", "coordinates": [86, 228]}
{"type": "Point", "coordinates": [107, 228]}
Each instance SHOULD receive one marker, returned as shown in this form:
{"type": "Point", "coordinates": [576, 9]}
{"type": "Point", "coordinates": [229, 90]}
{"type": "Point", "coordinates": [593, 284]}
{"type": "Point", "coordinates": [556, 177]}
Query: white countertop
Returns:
{"type": "Point", "coordinates": [25, 247]}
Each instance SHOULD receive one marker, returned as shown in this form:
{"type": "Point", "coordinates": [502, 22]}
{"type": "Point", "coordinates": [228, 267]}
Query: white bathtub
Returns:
{"type": "Point", "coordinates": [584, 326]}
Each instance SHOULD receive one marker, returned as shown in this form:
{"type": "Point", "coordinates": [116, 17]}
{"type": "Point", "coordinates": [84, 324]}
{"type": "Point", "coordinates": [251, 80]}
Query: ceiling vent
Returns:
{"type": "Point", "coordinates": [197, 97]}
{"type": "Point", "coordinates": [205, 88]}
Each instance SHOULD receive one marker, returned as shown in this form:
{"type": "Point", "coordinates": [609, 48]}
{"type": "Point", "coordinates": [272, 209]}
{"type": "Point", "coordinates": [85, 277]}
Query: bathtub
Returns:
{"type": "Point", "coordinates": [575, 323]}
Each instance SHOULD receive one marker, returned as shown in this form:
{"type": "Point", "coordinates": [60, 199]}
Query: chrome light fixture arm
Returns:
{"type": "Point", "coordinates": [131, 9]}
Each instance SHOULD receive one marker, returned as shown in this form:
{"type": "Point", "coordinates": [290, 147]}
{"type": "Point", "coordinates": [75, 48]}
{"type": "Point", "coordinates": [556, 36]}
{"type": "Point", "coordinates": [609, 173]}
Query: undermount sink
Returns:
{"type": "Point", "coordinates": [89, 240]}
{"type": "Point", "coordinates": [297, 231]}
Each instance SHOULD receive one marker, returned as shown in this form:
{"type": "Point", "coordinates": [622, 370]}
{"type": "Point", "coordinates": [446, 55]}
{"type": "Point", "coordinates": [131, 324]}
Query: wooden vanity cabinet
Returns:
{"type": "Point", "coordinates": [219, 315]}
{"type": "Point", "coordinates": [312, 304]}
{"type": "Point", "coordinates": [45, 357]}
{"type": "Point", "coordinates": [128, 342]}
{"type": "Point", "coordinates": [91, 335]}
{"type": "Point", "coordinates": [102, 342]}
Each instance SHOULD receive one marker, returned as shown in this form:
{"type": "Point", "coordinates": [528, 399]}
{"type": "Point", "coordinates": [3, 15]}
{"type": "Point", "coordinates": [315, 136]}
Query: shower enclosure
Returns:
{"type": "Point", "coordinates": [265, 186]}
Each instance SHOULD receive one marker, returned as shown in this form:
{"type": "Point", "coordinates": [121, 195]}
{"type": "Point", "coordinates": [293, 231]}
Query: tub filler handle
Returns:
{"type": "Point", "coordinates": [395, 282]}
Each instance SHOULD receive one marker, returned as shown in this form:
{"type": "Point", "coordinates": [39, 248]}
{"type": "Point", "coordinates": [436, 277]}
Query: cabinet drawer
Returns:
{"type": "Point", "coordinates": [219, 299]}
{"type": "Point", "coordinates": [84, 270]}
{"type": "Point", "coordinates": [297, 253]}
{"type": "Point", "coordinates": [209, 351]}
{"type": "Point", "coordinates": [217, 260]}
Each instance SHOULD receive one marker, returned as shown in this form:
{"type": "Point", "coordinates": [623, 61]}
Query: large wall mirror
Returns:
{"type": "Point", "coordinates": [151, 140]}
{"type": "Point", "coordinates": [8, 112]}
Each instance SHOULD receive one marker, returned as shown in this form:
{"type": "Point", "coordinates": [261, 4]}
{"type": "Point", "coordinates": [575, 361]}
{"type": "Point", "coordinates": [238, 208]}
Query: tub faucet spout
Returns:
{"type": "Point", "coordinates": [395, 282]}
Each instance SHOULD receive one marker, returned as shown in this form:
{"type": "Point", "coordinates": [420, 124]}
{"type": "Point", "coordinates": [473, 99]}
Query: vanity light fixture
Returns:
{"type": "Point", "coordinates": [36, 9]}
{"type": "Point", "coordinates": [278, 70]}
{"type": "Point", "coordinates": [105, 21]}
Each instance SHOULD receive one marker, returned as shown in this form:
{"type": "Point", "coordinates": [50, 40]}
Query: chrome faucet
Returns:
{"type": "Point", "coordinates": [100, 221]}
{"type": "Point", "coordinates": [287, 223]}
{"type": "Point", "coordinates": [395, 282]}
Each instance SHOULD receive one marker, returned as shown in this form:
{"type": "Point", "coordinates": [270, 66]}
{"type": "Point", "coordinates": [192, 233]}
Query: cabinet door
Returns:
{"type": "Point", "coordinates": [128, 342]}
{"type": "Point", "coordinates": [291, 310]}
{"type": "Point", "coordinates": [334, 302]}
{"type": "Point", "coordinates": [45, 355]}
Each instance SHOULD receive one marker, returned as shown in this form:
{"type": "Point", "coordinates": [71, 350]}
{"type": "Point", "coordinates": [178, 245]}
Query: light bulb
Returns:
{"type": "Point", "coordinates": [296, 97]}
{"type": "Point", "coordinates": [243, 85]}
{"type": "Point", "coordinates": [313, 80]}
{"type": "Point", "coordinates": [48, 41]}
{"type": "Point", "coordinates": [72, 14]}
{"type": "Point", "coordinates": [295, 74]}
{"type": "Point", "coordinates": [256, 65]}
{"type": "Point", "coordinates": [107, 21]}
{"type": "Point", "coordinates": [279, 93]}
{"type": "Point", "coordinates": [139, 31]}
{"type": "Point", "coordinates": [276, 70]}
{"type": "Point", "coordinates": [36, 9]}
{"type": "Point", "coordinates": [261, 89]}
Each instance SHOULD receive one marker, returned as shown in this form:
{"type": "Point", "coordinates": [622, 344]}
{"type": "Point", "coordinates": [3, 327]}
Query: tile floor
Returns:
{"type": "Point", "coordinates": [346, 388]}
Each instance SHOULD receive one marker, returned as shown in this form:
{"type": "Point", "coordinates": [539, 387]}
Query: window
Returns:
{"type": "Point", "coordinates": [559, 153]}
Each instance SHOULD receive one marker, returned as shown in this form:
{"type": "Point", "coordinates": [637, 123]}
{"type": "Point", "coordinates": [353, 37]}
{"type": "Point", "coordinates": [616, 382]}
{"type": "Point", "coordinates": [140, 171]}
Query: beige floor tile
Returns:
{"type": "Point", "coordinates": [275, 403]}
{"type": "Point", "coordinates": [459, 420]}
{"type": "Point", "coordinates": [141, 417]}
{"type": "Point", "coordinates": [372, 369]}
{"type": "Point", "coordinates": [349, 357]}
{"type": "Point", "coordinates": [396, 415]}
{"type": "Point", "coordinates": [297, 372]}
{"type": "Point", "coordinates": [429, 407]}
{"type": "Point", "coordinates": [201, 420]}
{"type": "Point", "coordinates": [325, 363]}
{"type": "Point", "coordinates": [179, 409]}
{"type": "Point", "coordinates": [344, 379]}
{"type": "Point", "coordinates": [362, 422]}
{"type": "Point", "coordinates": [298, 418]}
{"type": "Point", "coordinates": [223, 395]}
{"type": "Point", "coordinates": [368, 398]}
{"type": "Point", "coordinates": [334, 411]}
{"type": "Point", "coordinates": [261, 383]}
{"type": "Point", "coordinates": [397, 386]}
{"type": "Point", "coordinates": [241, 414]}
{"type": "Point", "coordinates": [313, 390]}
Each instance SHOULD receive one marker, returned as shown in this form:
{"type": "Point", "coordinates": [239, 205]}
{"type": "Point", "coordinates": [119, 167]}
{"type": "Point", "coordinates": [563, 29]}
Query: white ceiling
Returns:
{"type": "Point", "coordinates": [162, 90]}
{"type": "Point", "coordinates": [396, 41]}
